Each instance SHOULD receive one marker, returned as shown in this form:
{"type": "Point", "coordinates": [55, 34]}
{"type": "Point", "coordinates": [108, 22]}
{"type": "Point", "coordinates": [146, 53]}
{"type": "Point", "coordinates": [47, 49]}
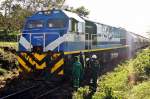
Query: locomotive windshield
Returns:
{"type": "Point", "coordinates": [35, 24]}
{"type": "Point", "coordinates": [59, 23]}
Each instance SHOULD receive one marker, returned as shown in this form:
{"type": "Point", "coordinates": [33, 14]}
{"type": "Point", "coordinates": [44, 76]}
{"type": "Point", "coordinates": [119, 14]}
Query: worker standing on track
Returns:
{"type": "Point", "coordinates": [94, 72]}
{"type": "Point", "coordinates": [76, 72]}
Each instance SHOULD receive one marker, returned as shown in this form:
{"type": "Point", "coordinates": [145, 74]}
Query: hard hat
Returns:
{"type": "Point", "coordinates": [94, 56]}
{"type": "Point", "coordinates": [87, 59]}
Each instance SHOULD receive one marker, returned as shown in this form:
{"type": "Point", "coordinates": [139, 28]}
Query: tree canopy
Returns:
{"type": "Point", "coordinates": [82, 11]}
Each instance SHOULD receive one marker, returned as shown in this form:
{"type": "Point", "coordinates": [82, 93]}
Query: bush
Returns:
{"type": "Point", "coordinates": [108, 94]}
{"type": "Point", "coordinates": [117, 81]}
{"type": "Point", "coordinates": [142, 64]}
{"type": "Point", "coordinates": [9, 36]}
{"type": "Point", "coordinates": [81, 93]}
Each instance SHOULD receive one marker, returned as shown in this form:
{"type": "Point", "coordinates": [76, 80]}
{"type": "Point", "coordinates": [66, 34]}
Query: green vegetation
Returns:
{"type": "Point", "coordinates": [8, 44]}
{"type": "Point", "coordinates": [81, 93]}
{"type": "Point", "coordinates": [140, 91]}
{"type": "Point", "coordinates": [130, 80]}
{"type": "Point", "coordinates": [2, 71]}
{"type": "Point", "coordinates": [9, 37]}
{"type": "Point", "coordinates": [5, 54]}
{"type": "Point", "coordinates": [82, 11]}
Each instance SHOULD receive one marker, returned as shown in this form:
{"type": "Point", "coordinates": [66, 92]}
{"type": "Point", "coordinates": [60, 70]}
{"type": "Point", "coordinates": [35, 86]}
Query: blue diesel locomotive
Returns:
{"type": "Point", "coordinates": [59, 30]}
{"type": "Point", "coordinates": [49, 38]}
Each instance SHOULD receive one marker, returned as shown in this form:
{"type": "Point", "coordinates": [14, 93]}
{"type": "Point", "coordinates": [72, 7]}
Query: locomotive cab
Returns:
{"type": "Point", "coordinates": [45, 36]}
{"type": "Point", "coordinates": [49, 30]}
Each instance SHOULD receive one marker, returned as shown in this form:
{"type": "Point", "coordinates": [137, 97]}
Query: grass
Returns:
{"type": "Point", "coordinates": [140, 91]}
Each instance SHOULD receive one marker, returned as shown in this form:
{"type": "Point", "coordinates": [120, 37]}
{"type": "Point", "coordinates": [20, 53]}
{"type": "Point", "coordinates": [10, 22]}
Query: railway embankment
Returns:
{"type": "Point", "coordinates": [7, 58]}
{"type": "Point", "coordinates": [129, 80]}
{"type": "Point", "coordinates": [7, 63]}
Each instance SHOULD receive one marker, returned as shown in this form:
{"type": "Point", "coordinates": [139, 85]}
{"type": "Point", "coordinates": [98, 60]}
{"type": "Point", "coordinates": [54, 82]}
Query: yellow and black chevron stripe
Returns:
{"type": "Point", "coordinates": [58, 63]}
{"type": "Point", "coordinates": [31, 61]}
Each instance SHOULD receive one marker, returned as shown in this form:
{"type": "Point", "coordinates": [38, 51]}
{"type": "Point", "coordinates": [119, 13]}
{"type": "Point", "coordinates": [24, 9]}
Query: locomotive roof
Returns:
{"type": "Point", "coordinates": [67, 13]}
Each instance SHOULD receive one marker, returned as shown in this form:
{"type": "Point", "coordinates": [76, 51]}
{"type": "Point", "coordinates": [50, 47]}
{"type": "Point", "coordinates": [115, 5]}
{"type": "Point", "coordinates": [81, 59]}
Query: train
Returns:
{"type": "Point", "coordinates": [50, 39]}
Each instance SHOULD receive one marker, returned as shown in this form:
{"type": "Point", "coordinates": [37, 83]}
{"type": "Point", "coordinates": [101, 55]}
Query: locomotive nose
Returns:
{"type": "Point", "coordinates": [43, 41]}
{"type": "Point", "coordinates": [37, 42]}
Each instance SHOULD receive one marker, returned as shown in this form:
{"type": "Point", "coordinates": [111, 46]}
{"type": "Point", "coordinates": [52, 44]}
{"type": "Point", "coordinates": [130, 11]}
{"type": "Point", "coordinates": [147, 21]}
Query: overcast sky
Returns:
{"type": "Point", "coordinates": [134, 15]}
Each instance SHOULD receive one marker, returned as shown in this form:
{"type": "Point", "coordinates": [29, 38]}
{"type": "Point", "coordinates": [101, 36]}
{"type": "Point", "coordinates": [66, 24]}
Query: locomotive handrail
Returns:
{"type": "Point", "coordinates": [94, 50]}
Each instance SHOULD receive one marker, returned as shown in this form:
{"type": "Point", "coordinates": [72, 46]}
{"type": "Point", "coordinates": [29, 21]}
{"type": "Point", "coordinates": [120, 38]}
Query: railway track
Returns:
{"type": "Point", "coordinates": [39, 90]}
{"type": "Point", "coordinates": [18, 94]}
{"type": "Point", "coordinates": [27, 94]}
{"type": "Point", "coordinates": [47, 93]}
{"type": "Point", "coordinates": [43, 90]}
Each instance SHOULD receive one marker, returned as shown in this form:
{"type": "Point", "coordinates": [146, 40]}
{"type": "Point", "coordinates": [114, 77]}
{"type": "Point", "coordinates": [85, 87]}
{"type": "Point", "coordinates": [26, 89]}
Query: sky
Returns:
{"type": "Point", "coordinates": [133, 15]}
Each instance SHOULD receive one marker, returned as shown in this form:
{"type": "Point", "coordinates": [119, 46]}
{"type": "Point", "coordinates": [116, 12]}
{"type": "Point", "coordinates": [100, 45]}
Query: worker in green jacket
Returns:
{"type": "Point", "coordinates": [76, 72]}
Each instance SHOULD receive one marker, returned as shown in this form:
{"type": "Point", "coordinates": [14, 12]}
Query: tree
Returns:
{"type": "Point", "coordinates": [34, 5]}
{"type": "Point", "coordinates": [1, 20]}
{"type": "Point", "coordinates": [82, 11]}
{"type": "Point", "coordinates": [6, 7]}
{"type": "Point", "coordinates": [15, 11]}
{"type": "Point", "coordinates": [18, 16]}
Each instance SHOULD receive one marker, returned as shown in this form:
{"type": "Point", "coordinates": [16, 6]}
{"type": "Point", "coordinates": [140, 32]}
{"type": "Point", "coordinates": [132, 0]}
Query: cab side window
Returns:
{"type": "Point", "coordinates": [74, 25]}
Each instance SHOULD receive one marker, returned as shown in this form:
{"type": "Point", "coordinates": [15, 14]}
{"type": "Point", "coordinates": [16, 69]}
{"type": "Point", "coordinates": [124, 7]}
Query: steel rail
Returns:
{"type": "Point", "coordinates": [47, 93]}
{"type": "Point", "coordinates": [18, 93]}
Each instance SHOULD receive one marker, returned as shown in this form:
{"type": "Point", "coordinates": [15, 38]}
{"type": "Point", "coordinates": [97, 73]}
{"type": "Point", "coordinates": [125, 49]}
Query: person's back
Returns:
{"type": "Point", "coordinates": [77, 69]}
{"type": "Point", "coordinates": [94, 67]}
{"type": "Point", "coordinates": [76, 72]}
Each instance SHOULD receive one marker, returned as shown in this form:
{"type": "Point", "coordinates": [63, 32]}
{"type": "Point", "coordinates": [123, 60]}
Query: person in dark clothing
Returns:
{"type": "Point", "coordinates": [87, 72]}
{"type": "Point", "coordinates": [82, 61]}
{"type": "Point", "coordinates": [94, 71]}
{"type": "Point", "coordinates": [76, 72]}
{"type": "Point", "coordinates": [68, 69]}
